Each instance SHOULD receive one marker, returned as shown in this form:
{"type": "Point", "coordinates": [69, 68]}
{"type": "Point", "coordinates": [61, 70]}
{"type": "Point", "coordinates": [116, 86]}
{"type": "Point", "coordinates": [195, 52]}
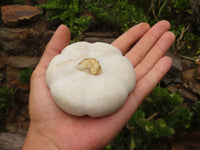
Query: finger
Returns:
{"type": "Point", "coordinates": [145, 86]}
{"type": "Point", "coordinates": [157, 51]}
{"type": "Point", "coordinates": [126, 40]}
{"type": "Point", "coordinates": [150, 80]}
{"type": "Point", "coordinates": [60, 39]}
{"type": "Point", "coordinates": [139, 51]}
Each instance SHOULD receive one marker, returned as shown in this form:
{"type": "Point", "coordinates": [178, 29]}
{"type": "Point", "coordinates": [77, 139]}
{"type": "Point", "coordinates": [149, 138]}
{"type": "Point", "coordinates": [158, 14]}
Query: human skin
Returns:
{"type": "Point", "coordinates": [53, 129]}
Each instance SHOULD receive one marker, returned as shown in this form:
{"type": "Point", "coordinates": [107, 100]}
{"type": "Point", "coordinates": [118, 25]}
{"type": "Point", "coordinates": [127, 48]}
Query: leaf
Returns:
{"type": "Point", "coordinates": [148, 127]}
{"type": "Point", "coordinates": [25, 75]}
{"type": "Point", "coordinates": [183, 117]}
{"type": "Point", "coordinates": [132, 143]}
{"type": "Point", "coordinates": [166, 131]}
{"type": "Point", "coordinates": [138, 114]}
{"type": "Point", "coordinates": [160, 122]}
{"type": "Point", "coordinates": [6, 99]}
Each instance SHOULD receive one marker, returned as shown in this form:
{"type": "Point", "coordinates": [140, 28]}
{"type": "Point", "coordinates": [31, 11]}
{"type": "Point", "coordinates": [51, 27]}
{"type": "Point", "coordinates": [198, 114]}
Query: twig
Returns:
{"type": "Point", "coordinates": [154, 14]}
{"type": "Point", "coordinates": [152, 116]}
{"type": "Point", "coordinates": [187, 58]}
{"type": "Point", "coordinates": [149, 10]}
{"type": "Point", "coordinates": [183, 31]}
{"type": "Point", "coordinates": [181, 37]}
{"type": "Point", "coordinates": [130, 128]}
{"type": "Point", "coordinates": [181, 46]}
{"type": "Point", "coordinates": [161, 8]}
{"type": "Point", "coordinates": [153, 11]}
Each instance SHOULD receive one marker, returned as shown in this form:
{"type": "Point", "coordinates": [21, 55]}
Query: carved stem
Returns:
{"type": "Point", "coordinates": [90, 65]}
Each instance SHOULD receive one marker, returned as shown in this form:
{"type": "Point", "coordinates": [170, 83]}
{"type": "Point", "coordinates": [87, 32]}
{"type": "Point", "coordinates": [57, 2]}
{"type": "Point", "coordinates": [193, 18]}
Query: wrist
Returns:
{"type": "Point", "coordinates": [52, 137]}
{"type": "Point", "coordinates": [35, 140]}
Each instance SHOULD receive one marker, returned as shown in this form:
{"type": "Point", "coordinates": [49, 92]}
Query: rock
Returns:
{"type": "Point", "coordinates": [186, 65]}
{"type": "Point", "coordinates": [99, 39]}
{"type": "Point", "coordinates": [11, 79]}
{"type": "Point", "coordinates": [170, 79]}
{"type": "Point", "coordinates": [24, 40]}
{"type": "Point", "coordinates": [190, 82]}
{"type": "Point", "coordinates": [20, 118]}
{"type": "Point", "coordinates": [185, 93]}
{"type": "Point", "coordinates": [192, 140]}
{"type": "Point", "coordinates": [195, 86]}
{"type": "Point", "coordinates": [197, 61]}
{"type": "Point", "coordinates": [22, 96]}
{"type": "Point", "coordinates": [172, 88]}
{"type": "Point", "coordinates": [13, 15]}
{"type": "Point", "coordinates": [30, 2]}
{"type": "Point", "coordinates": [102, 34]}
{"type": "Point", "coordinates": [18, 85]}
{"type": "Point", "coordinates": [176, 65]}
{"type": "Point", "coordinates": [107, 37]}
{"type": "Point", "coordinates": [24, 124]}
{"type": "Point", "coordinates": [178, 147]}
{"type": "Point", "coordinates": [11, 74]}
{"type": "Point", "coordinates": [15, 128]}
{"type": "Point", "coordinates": [34, 2]}
{"type": "Point", "coordinates": [10, 141]}
{"type": "Point", "coordinates": [41, 2]}
{"type": "Point", "coordinates": [25, 112]}
{"type": "Point", "coordinates": [11, 114]}
{"type": "Point", "coordinates": [166, 80]}
{"type": "Point", "coordinates": [188, 95]}
{"type": "Point", "coordinates": [197, 73]}
{"type": "Point", "coordinates": [3, 57]}
{"type": "Point", "coordinates": [17, 44]}
{"type": "Point", "coordinates": [45, 39]}
{"type": "Point", "coordinates": [1, 76]}
{"type": "Point", "coordinates": [53, 24]}
{"type": "Point", "coordinates": [174, 74]}
{"type": "Point", "coordinates": [22, 61]}
{"type": "Point", "coordinates": [188, 75]}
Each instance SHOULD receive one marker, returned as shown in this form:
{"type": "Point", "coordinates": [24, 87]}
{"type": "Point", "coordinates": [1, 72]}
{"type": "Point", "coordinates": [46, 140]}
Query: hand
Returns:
{"type": "Point", "coordinates": [52, 128]}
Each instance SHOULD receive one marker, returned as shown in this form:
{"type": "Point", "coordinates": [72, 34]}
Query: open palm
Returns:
{"type": "Point", "coordinates": [52, 128]}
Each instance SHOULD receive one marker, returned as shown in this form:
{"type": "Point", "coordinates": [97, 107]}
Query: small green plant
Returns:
{"type": "Point", "coordinates": [182, 6]}
{"type": "Point", "coordinates": [161, 116]}
{"type": "Point", "coordinates": [6, 2]}
{"type": "Point", "coordinates": [19, 1]}
{"type": "Point", "coordinates": [6, 99]}
{"type": "Point", "coordinates": [25, 75]}
{"type": "Point", "coordinates": [187, 43]}
{"type": "Point", "coordinates": [69, 13]}
{"type": "Point", "coordinates": [196, 110]}
{"type": "Point", "coordinates": [121, 13]}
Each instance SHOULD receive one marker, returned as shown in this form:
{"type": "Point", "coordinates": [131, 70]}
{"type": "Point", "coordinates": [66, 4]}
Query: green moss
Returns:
{"type": "Point", "coordinates": [25, 75]}
{"type": "Point", "coordinates": [6, 99]}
